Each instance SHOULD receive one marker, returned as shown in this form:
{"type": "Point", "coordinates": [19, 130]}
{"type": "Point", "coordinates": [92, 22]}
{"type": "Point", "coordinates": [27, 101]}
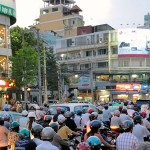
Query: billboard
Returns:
{"type": "Point", "coordinates": [84, 82]}
{"type": "Point", "coordinates": [134, 42]}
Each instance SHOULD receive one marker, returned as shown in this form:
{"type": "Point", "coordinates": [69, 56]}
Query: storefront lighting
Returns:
{"type": "Point", "coordinates": [76, 75]}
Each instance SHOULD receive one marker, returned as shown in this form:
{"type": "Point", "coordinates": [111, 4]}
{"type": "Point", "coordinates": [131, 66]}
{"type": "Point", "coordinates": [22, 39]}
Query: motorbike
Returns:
{"type": "Point", "coordinates": [74, 140]}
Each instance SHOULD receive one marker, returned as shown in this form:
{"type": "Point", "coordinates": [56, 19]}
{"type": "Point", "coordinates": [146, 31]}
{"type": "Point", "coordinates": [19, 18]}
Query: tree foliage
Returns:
{"type": "Point", "coordinates": [19, 36]}
{"type": "Point", "coordinates": [24, 64]}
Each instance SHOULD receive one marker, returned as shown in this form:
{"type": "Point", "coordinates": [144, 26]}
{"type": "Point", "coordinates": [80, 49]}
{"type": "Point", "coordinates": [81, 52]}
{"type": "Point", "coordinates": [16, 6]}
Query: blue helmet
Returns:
{"type": "Point", "coordinates": [6, 109]}
{"type": "Point", "coordinates": [95, 124]}
{"type": "Point", "coordinates": [79, 112]}
{"type": "Point", "coordinates": [62, 110]}
{"type": "Point", "coordinates": [93, 141]}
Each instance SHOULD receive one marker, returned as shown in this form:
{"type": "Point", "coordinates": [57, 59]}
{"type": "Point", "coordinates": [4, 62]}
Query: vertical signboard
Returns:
{"type": "Point", "coordinates": [84, 82]}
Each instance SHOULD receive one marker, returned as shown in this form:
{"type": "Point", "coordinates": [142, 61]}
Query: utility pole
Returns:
{"type": "Point", "coordinates": [39, 68]}
{"type": "Point", "coordinates": [91, 83]}
{"type": "Point", "coordinates": [59, 84]}
{"type": "Point", "coordinates": [45, 79]}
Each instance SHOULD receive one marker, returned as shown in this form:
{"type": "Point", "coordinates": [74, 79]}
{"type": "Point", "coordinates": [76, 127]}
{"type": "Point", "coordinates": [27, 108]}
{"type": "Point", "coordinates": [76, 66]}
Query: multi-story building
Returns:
{"type": "Point", "coordinates": [102, 62]}
{"type": "Point", "coordinates": [61, 16]}
{"type": "Point", "coordinates": [119, 61]}
{"type": "Point", "coordinates": [7, 18]}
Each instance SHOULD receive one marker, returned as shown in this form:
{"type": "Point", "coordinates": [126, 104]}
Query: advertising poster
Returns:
{"type": "Point", "coordinates": [84, 82]}
{"type": "Point", "coordinates": [134, 42]}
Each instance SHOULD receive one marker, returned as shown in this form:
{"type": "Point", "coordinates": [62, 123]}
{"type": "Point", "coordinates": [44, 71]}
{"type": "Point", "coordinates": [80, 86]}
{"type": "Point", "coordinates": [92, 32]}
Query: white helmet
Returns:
{"type": "Point", "coordinates": [24, 113]}
{"type": "Point", "coordinates": [47, 133]}
{"type": "Point", "coordinates": [37, 107]}
{"type": "Point", "coordinates": [31, 114]}
{"type": "Point", "coordinates": [95, 114]}
{"type": "Point", "coordinates": [61, 119]}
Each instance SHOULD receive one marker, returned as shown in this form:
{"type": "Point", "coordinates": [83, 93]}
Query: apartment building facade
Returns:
{"type": "Point", "coordinates": [61, 16]}
{"type": "Point", "coordinates": [119, 61]}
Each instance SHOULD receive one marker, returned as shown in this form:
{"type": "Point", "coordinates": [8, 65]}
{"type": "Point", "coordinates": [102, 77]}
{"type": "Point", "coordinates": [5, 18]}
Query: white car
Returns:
{"type": "Point", "coordinates": [72, 107]}
{"type": "Point", "coordinates": [31, 106]}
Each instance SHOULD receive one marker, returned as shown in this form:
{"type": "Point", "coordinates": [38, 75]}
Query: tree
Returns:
{"type": "Point", "coordinates": [51, 69]}
{"type": "Point", "coordinates": [19, 36]}
{"type": "Point", "coordinates": [24, 68]}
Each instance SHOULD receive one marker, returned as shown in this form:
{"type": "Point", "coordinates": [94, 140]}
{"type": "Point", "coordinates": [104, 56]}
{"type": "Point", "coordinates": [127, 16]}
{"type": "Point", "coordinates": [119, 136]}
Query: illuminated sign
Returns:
{"type": "Point", "coordinates": [128, 87]}
{"type": "Point", "coordinates": [7, 83]}
{"type": "Point", "coordinates": [7, 10]}
{"type": "Point", "coordinates": [84, 82]}
{"type": "Point", "coordinates": [134, 42]}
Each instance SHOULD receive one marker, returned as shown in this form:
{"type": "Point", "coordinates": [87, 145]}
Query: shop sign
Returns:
{"type": "Point", "coordinates": [84, 82]}
{"type": "Point", "coordinates": [7, 10]}
{"type": "Point", "coordinates": [128, 87]}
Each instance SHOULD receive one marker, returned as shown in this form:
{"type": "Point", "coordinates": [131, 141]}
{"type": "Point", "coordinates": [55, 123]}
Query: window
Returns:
{"type": "Point", "coordinates": [123, 64]}
{"type": "Point", "coordinates": [114, 50]}
{"type": "Point", "coordinates": [88, 53]}
{"type": "Point", "coordinates": [54, 9]}
{"type": "Point", "coordinates": [102, 64]}
{"type": "Point", "coordinates": [2, 36]}
{"type": "Point", "coordinates": [102, 51]}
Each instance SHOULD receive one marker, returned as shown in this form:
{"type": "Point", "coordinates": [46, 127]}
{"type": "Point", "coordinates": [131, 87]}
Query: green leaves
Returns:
{"type": "Point", "coordinates": [24, 64]}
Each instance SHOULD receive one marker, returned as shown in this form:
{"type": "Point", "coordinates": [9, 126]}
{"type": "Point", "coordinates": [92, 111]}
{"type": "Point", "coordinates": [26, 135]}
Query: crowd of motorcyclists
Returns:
{"type": "Point", "coordinates": [125, 128]}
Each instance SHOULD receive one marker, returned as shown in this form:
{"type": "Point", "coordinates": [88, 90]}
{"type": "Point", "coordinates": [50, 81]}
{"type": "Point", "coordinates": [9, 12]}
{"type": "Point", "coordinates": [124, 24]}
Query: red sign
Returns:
{"type": "Point", "coordinates": [128, 87]}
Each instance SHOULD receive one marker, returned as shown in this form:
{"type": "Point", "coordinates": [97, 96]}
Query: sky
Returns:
{"type": "Point", "coordinates": [116, 13]}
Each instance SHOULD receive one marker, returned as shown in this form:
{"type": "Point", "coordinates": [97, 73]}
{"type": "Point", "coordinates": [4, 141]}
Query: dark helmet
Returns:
{"type": "Point", "coordinates": [36, 130]}
{"type": "Point", "coordinates": [62, 110]}
{"type": "Point", "coordinates": [137, 119]}
{"type": "Point", "coordinates": [124, 111]}
{"type": "Point", "coordinates": [1, 120]}
{"type": "Point", "coordinates": [135, 114]}
{"type": "Point", "coordinates": [48, 118]}
{"type": "Point", "coordinates": [95, 124]}
{"type": "Point", "coordinates": [127, 125]}
{"type": "Point", "coordinates": [79, 112]}
{"type": "Point", "coordinates": [55, 126]}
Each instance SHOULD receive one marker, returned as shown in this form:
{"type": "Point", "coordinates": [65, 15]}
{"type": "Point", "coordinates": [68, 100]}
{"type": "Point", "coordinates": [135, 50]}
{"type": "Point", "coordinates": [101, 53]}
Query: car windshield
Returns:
{"type": "Point", "coordinates": [53, 111]}
{"type": "Point", "coordinates": [13, 116]}
{"type": "Point", "coordinates": [16, 117]}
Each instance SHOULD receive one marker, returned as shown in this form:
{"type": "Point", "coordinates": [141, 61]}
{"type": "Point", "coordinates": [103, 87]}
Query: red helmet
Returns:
{"type": "Point", "coordinates": [83, 146]}
{"type": "Point", "coordinates": [58, 109]}
{"type": "Point", "coordinates": [120, 107]}
{"type": "Point", "coordinates": [143, 114]}
{"type": "Point", "coordinates": [90, 110]}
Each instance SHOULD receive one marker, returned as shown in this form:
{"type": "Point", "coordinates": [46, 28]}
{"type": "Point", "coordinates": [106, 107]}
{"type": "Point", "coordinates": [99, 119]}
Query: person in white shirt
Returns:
{"type": "Point", "coordinates": [23, 120]}
{"type": "Point", "coordinates": [85, 117]}
{"type": "Point", "coordinates": [47, 137]}
{"type": "Point", "coordinates": [106, 115]}
{"type": "Point", "coordinates": [124, 116]}
{"type": "Point", "coordinates": [130, 110]}
{"type": "Point", "coordinates": [139, 130]}
{"type": "Point", "coordinates": [36, 132]}
{"type": "Point", "coordinates": [78, 120]}
{"type": "Point", "coordinates": [39, 114]}
{"type": "Point", "coordinates": [115, 120]}
{"type": "Point", "coordinates": [145, 121]}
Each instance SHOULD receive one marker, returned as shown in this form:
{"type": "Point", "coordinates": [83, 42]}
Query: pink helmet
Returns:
{"type": "Point", "coordinates": [83, 146]}
{"type": "Point", "coordinates": [116, 113]}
